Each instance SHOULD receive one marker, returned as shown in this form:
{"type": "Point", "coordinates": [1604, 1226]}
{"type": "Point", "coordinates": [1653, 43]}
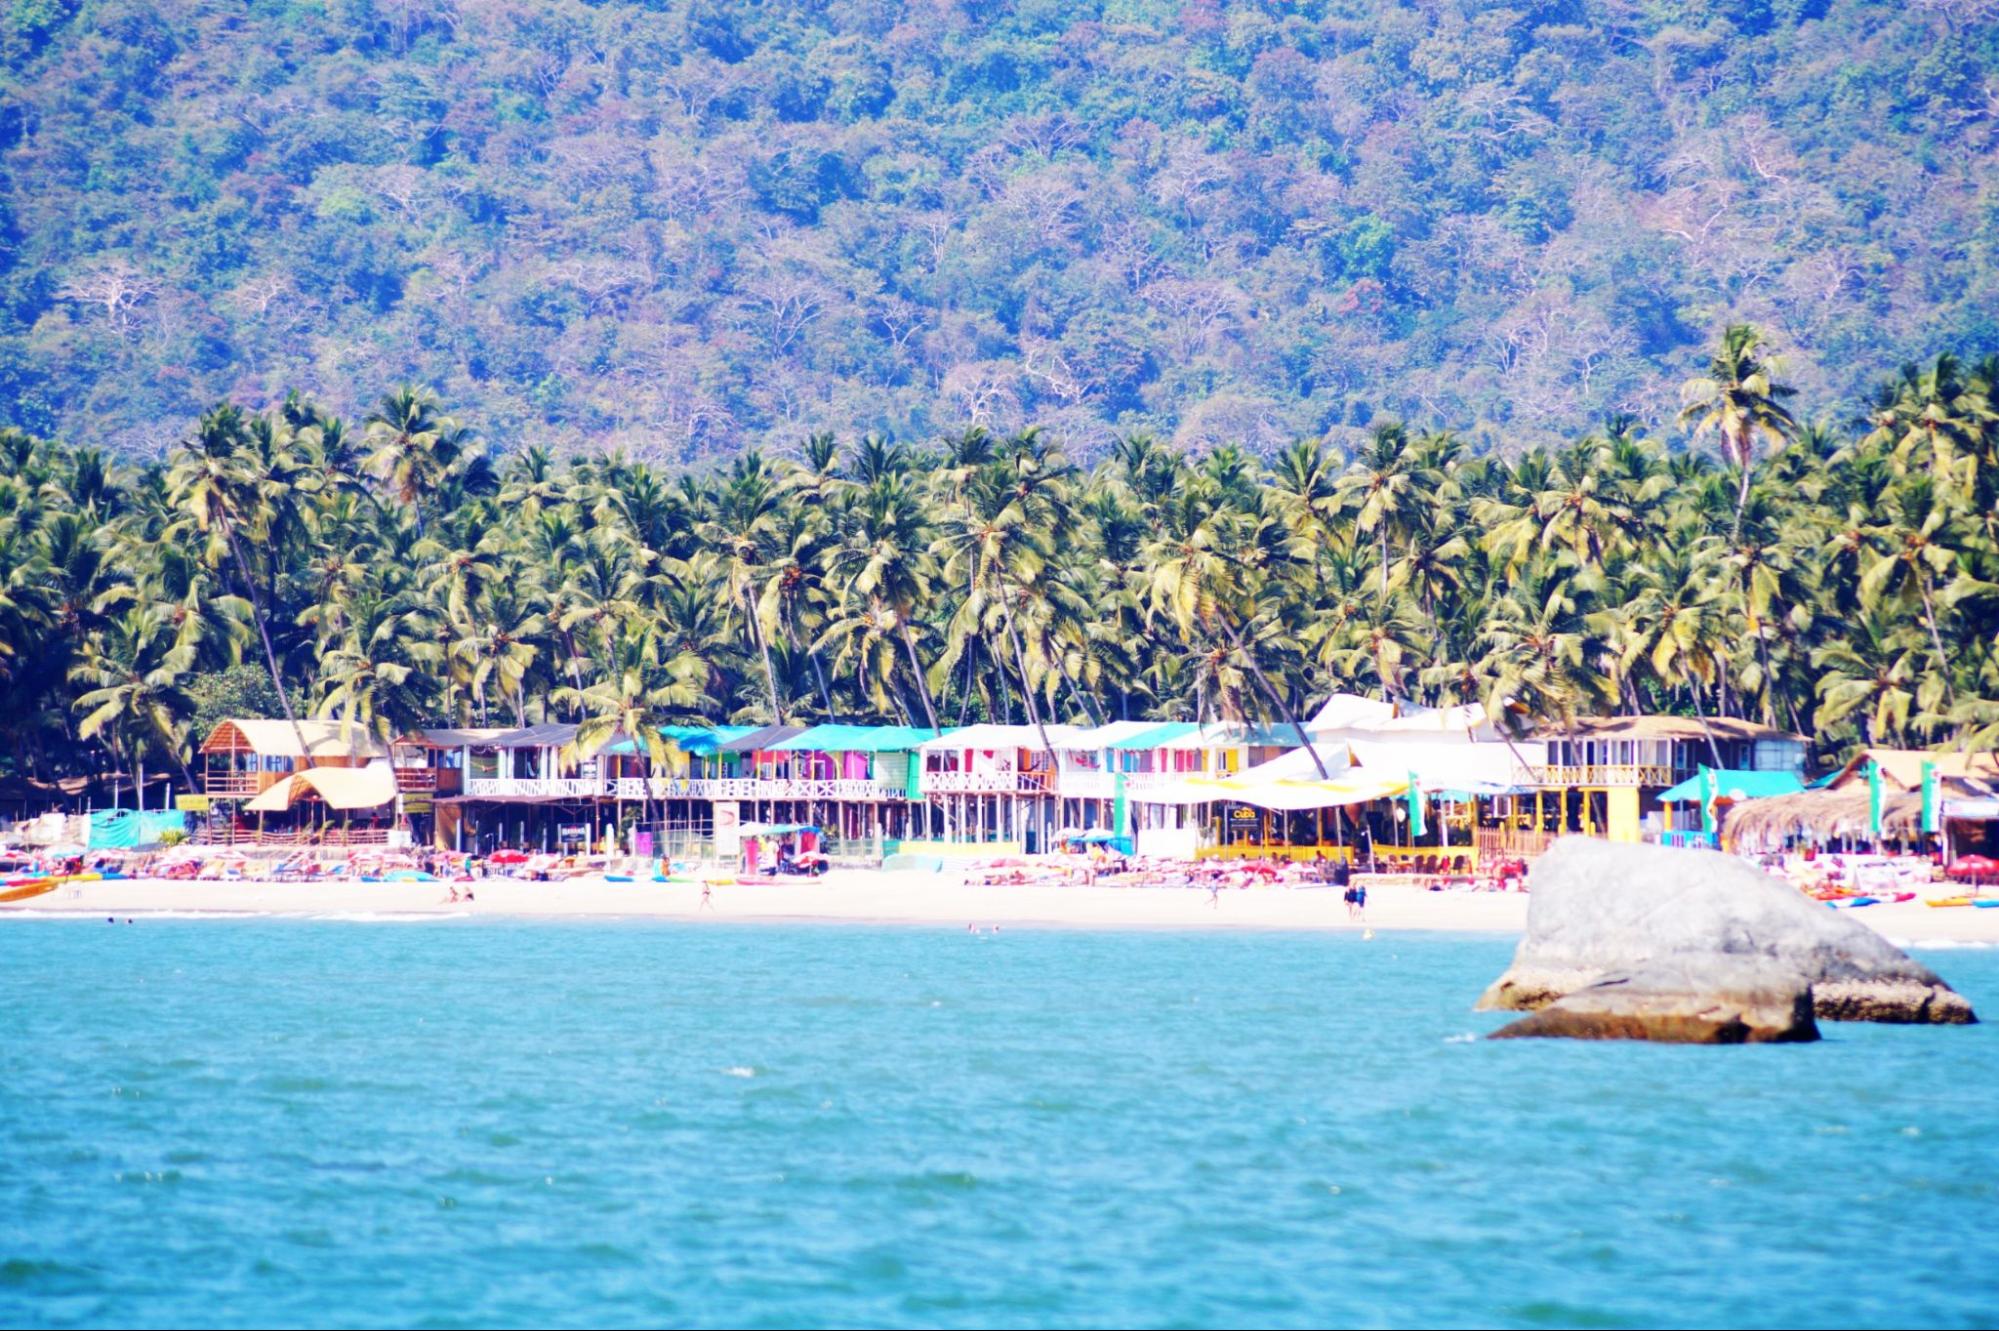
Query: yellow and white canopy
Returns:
{"type": "Point", "coordinates": [336, 787]}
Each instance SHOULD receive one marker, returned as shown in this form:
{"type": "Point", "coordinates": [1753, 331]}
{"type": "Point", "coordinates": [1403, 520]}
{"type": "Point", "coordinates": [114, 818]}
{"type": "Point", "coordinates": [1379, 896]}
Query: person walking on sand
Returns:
{"type": "Point", "coordinates": [707, 895]}
{"type": "Point", "coordinates": [1360, 903]}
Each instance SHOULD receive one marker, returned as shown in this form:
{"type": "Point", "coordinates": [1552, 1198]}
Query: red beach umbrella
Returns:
{"type": "Point", "coordinates": [1974, 866]}
{"type": "Point", "coordinates": [507, 857]}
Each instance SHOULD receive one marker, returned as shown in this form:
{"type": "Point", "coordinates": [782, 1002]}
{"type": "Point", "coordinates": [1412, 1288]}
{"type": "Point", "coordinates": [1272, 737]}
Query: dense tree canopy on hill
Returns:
{"type": "Point", "coordinates": [684, 227]}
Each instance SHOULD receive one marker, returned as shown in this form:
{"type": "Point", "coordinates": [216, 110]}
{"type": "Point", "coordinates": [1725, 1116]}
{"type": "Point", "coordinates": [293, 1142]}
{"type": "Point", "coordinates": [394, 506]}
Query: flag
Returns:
{"type": "Point", "coordinates": [1710, 794]}
{"type": "Point", "coordinates": [1120, 807]}
{"type": "Point", "coordinates": [1874, 794]}
{"type": "Point", "coordinates": [1415, 807]}
{"type": "Point", "coordinates": [1931, 821]}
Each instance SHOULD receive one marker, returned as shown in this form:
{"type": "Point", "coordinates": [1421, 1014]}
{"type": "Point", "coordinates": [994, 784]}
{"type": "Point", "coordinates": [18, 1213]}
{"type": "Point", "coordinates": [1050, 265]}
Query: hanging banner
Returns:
{"type": "Point", "coordinates": [191, 803]}
{"type": "Point", "coordinates": [728, 829]}
{"type": "Point", "coordinates": [1874, 797]}
{"type": "Point", "coordinates": [1415, 808]}
{"type": "Point", "coordinates": [1932, 806]}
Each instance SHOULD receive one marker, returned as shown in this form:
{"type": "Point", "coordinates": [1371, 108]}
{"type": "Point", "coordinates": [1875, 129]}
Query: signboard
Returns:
{"type": "Point", "coordinates": [574, 832]}
{"type": "Point", "coordinates": [191, 803]}
{"type": "Point", "coordinates": [728, 830]}
{"type": "Point", "coordinates": [1243, 813]}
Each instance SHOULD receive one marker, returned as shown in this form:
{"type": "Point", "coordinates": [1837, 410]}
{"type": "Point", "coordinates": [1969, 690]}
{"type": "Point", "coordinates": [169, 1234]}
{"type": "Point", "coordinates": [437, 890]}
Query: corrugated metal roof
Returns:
{"type": "Point", "coordinates": [759, 739]}
{"type": "Point", "coordinates": [1736, 785]}
{"type": "Point", "coordinates": [1110, 735]}
{"type": "Point", "coordinates": [990, 736]}
{"type": "Point", "coordinates": [445, 737]}
{"type": "Point", "coordinates": [1157, 736]}
{"type": "Point", "coordinates": [491, 737]}
{"type": "Point", "coordinates": [835, 738]}
{"type": "Point", "coordinates": [279, 739]}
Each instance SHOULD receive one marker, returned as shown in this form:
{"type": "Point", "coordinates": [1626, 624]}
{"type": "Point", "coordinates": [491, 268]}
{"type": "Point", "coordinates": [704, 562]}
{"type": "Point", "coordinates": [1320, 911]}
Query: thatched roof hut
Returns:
{"type": "Point", "coordinates": [1819, 816]}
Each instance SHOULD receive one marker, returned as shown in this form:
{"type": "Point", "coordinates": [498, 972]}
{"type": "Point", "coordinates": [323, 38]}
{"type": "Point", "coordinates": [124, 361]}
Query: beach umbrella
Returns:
{"type": "Point", "coordinates": [508, 857]}
{"type": "Point", "coordinates": [1974, 866]}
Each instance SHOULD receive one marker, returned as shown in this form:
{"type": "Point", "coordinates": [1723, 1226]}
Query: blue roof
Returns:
{"type": "Point", "coordinates": [857, 739]}
{"type": "Point", "coordinates": [1735, 785]}
{"type": "Point", "coordinates": [690, 739]}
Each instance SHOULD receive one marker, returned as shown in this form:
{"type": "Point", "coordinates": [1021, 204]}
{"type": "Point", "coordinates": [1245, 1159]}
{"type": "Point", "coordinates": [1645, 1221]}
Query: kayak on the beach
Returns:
{"type": "Point", "coordinates": [21, 889]}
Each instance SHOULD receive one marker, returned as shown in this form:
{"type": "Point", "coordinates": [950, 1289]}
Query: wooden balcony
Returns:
{"type": "Point", "coordinates": [306, 836]}
{"type": "Point", "coordinates": [429, 780]}
{"type": "Point", "coordinates": [239, 785]}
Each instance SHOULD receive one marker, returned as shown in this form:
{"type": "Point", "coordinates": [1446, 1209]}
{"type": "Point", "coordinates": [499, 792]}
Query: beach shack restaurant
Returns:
{"type": "Point", "coordinates": [480, 788]}
{"type": "Point", "coordinates": [286, 783]}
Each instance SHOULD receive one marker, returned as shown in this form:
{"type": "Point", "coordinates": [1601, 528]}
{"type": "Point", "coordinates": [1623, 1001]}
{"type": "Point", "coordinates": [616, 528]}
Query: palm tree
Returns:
{"type": "Point", "coordinates": [744, 511]}
{"type": "Point", "coordinates": [1740, 400]}
{"type": "Point", "coordinates": [217, 497]}
{"type": "Point", "coordinates": [1389, 489]}
{"type": "Point", "coordinates": [883, 562]}
{"type": "Point", "coordinates": [412, 445]}
{"type": "Point", "coordinates": [1915, 549]}
{"type": "Point", "coordinates": [136, 669]}
{"type": "Point", "coordinates": [1538, 649]}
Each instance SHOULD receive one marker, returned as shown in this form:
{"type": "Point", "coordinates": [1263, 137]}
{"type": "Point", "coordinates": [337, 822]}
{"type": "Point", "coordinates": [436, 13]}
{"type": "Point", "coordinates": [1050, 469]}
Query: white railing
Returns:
{"type": "Point", "coordinates": [1090, 785]}
{"type": "Point", "coordinates": [654, 788]}
{"type": "Point", "coordinates": [985, 783]}
{"type": "Point", "coordinates": [1602, 774]}
{"type": "Point", "coordinates": [535, 787]}
{"type": "Point", "coordinates": [756, 788]}
{"type": "Point", "coordinates": [1137, 783]}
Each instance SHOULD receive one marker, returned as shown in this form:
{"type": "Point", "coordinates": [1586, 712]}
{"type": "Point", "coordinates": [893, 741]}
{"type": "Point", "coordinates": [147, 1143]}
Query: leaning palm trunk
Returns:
{"type": "Point", "coordinates": [1026, 685]}
{"type": "Point", "coordinates": [1713, 749]}
{"type": "Point", "coordinates": [916, 669]}
{"type": "Point", "coordinates": [263, 633]}
{"type": "Point", "coordinates": [1936, 640]}
{"type": "Point", "coordinates": [818, 670]}
{"type": "Point", "coordinates": [1284, 708]}
{"type": "Point", "coordinates": [763, 649]}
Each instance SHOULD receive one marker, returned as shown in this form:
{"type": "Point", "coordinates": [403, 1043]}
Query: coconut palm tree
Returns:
{"type": "Point", "coordinates": [134, 670]}
{"type": "Point", "coordinates": [1740, 401]}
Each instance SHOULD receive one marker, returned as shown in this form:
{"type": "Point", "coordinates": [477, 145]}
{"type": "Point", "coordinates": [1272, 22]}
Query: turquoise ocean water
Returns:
{"type": "Point", "coordinates": [253, 1122]}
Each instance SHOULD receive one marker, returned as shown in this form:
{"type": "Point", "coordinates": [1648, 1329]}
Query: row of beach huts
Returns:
{"type": "Point", "coordinates": [1359, 777]}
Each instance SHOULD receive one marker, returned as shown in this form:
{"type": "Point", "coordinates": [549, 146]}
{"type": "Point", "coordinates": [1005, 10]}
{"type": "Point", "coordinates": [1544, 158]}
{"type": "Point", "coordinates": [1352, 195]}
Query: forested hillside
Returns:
{"type": "Point", "coordinates": [681, 227]}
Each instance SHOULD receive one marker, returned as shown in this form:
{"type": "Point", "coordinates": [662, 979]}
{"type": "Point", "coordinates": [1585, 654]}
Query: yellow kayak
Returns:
{"type": "Point", "coordinates": [31, 890]}
{"type": "Point", "coordinates": [1948, 901]}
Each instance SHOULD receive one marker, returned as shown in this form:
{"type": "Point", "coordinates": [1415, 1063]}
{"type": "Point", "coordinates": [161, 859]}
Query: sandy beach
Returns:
{"type": "Point", "coordinates": [860, 896]}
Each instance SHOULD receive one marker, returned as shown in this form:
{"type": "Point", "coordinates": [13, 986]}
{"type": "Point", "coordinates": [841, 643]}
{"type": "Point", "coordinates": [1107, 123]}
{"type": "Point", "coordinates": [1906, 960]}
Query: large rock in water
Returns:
{"type": "Point", "coordinates": [1683, 1000]}
{"type": "Point", "coordinates": [1600, 908]}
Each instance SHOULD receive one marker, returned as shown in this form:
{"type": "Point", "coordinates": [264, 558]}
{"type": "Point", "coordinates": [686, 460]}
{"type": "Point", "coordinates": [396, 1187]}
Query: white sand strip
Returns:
{"type": "Point", "coordinates": [902, 898]}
